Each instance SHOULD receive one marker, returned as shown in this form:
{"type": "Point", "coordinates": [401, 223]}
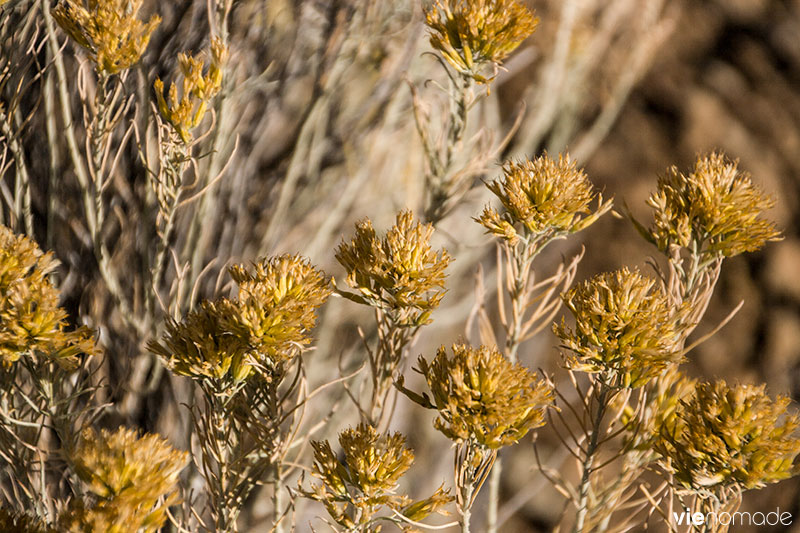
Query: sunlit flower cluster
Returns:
{"type": "Point", "coordinates": [200, 347]}
{"type": "Point", "coordinates": [356, 487]}
{"type": "Point", "coordinates": [186, 107]}
{"type": "Point", "coordinates": [625, 328]}
{"type": "Point", "coordinates": [474, 34]}
{"type": "Point", "coordinates": [135, 480]}
{"type": "Point", "coordinates": [731, 436]}
{"type": "Point", "coordinates": [400, 271]}
{"type": "Point", "coordinates": [481, 396]}
{"type": "Point", "coordinates": [266, 325]}
{"type": "Point", "coordinates": [715, 209]}
{"type": "Point", "coordinates": [108, 29]}
{"type": "Point", "coordinates": [277, 305]}
{"type": "Point", "coordinates": [542, 197]}
{"type": "Point", "coordinates": [31, 322]}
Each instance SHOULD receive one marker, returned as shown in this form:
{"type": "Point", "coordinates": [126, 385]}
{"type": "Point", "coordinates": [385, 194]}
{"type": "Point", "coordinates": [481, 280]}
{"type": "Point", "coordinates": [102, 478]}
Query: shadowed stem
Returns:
{"type": "Point", "coordinates": [277, 500]}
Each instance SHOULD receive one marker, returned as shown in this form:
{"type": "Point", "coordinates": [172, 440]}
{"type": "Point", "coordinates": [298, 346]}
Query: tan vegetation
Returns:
{"type": "Point", "coordinates": [206, 321]}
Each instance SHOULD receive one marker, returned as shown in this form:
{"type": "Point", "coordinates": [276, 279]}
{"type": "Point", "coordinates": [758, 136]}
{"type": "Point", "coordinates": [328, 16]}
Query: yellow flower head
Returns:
{"type": "Point", "coordinates": [542, 197]}
{"type": "Point", "coordinates": [31, 322]}
{"type": "Point", "coordinates": [481, 396]}
{"type": "Point", "coordinates": [201, 348]}
{"type": "Point", "coordinates": [715, 209]}
{"type": "Point", "coordinates": [474, 34]}
{"type": "Point", "coordinates": [625, 328]}
{"type": "Point", "coordinates": [398, 272]}
{"type": "Point", "coordinates": [277, 305]}
{"type": "Point", "coordinates": [731, 436]}
{"type": "Point", "coordinates": [187, 108]}
{"type": "Point", "coordinates": [108, 29]}
{"type": "Point", "coordinates": [354, 489]}
{"type": "Point", "coordinates": [267, 324]}
{"type": "Point", "coordinates": [135, 480]}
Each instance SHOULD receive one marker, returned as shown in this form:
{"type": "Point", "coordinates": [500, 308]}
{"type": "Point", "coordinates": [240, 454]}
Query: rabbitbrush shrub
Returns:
{"type": "Point", "coordinates": [190, 367]}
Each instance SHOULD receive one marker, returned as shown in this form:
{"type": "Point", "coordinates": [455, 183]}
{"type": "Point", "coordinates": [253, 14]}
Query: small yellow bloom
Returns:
{"type": "Point", "coordinates": [225, 340]}
{"type": "Point", "coordinates": [481, 396]}
{"type": "Point", "coordinates": [186, 108]}
{"type": "Point", "coordinates": [276, 307]}
{"type": "Point", "coordinates": [625, 328]}
{"type": "Point", "coordinates": [354, 489]}
{"type": "Point", "coordinates": [31, 322]}
{"type": "Point", "coordinates": [715, 209]}
{"type": "Point", "coordinates": [730, 436]}
{"type": "Point", "coordinates": [474, 34]}
{"type": "Point", "coordinates": [398, 272]}
{"type": "Point", "coordinates": [543, 196]}
{"type": "Point", "coordinates": [134, 480]}
{"type": "Point", "coordinates": [108, 29]}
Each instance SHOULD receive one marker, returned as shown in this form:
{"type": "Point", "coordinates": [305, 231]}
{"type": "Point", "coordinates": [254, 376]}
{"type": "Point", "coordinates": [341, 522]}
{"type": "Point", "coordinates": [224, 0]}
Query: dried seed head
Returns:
{"type": "Point", "coordinates": [625, 328]}
{"type": "Point", "coordinates": [186, 108]}
{"type": "Point", "coordinates": [31, 322]}
{"type": "Point", "coordinates": [108, 29]}
{"type": "Point", "coordinates": [399, 272]}
{"type": "Point", "coordinates": [134, 480]}
{"type": "Point", "coordinates": [354, 489]}
{"type": "Point", "coordinates": [715, 209]}
{"type": "Point", "coordinates": [730, 436]}
{"type": "Point", "coordinates": [474, 34]}
{"type": "Point", "coordinates": [482, 397]}
{"type": "Point", "coordinates": [542, 197]}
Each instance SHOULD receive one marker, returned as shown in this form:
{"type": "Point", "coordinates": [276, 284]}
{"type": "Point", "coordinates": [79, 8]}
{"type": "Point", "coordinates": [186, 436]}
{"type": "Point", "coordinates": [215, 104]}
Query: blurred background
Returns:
{"type": "Point", "coordinates": [314, 130]}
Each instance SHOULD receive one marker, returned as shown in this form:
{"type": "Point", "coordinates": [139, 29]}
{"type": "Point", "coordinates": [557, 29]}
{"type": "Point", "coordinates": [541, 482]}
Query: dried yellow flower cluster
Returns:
{"type": "Point", "coordinates": [31, 322]}
{"type": "Point", "coordinates": [625, 328]}
{"type": "Point", "coordinates": [354, 489]}
{"type": "Point", "coordinates": [715, 209]}
{"type": "Point", "coordinates": [200, 347]}
{"type": "Point", "coordinates": [543, 197]}
{"type": "Point", "coordinates": [108, 29]}
{"type": "Point", "coordinates": [187, 108]}
{"type": "Point", "coordinates": [226, 340]}
{"type": "Point", "coordinates": [474, 34]}
{"type": "Point", "coordinates": [133, 479]}
{"type": "Point", "coordinates": [481, 396]}
{"type": "Point", "coordinates": [277, 305]}
{"type": "Point", "coordinates": [400, 272]}
{"type": "Point", "coordinates": [731, 436]}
